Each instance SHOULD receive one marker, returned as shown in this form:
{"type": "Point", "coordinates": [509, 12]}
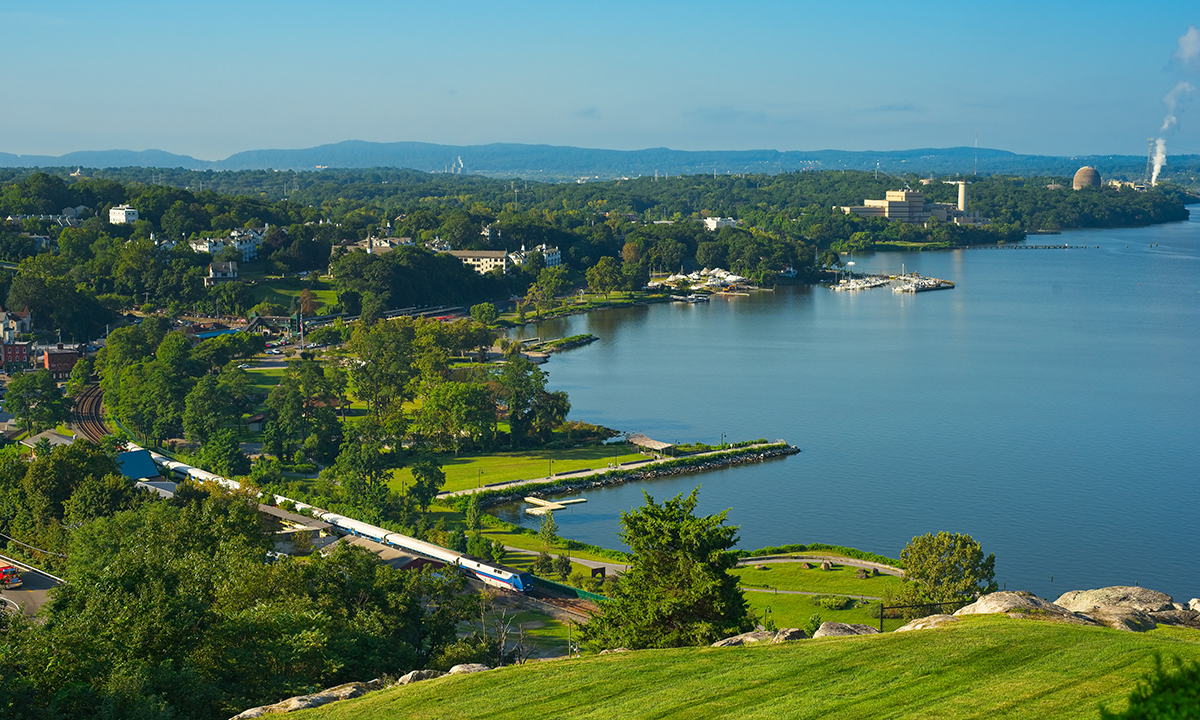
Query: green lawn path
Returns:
{"type": "Point", "coordinates": [464, 471]}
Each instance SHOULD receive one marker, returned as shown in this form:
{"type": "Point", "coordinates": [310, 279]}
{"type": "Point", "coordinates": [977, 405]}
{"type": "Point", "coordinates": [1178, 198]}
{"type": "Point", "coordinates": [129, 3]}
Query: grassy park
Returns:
{"type": "Point", "coordinates": [840, 580]}
{"type": "Point", "coordinates": [981, 667]}
{"type": "Point", "coordinates": [469, 470]}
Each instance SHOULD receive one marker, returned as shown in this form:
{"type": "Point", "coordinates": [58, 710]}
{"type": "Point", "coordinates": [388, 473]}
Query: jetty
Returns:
{"type": "Point", "coordinates": [541, 507]}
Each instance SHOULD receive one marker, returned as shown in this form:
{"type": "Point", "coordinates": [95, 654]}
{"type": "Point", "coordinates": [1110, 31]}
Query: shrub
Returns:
{"type": "Point", "coordinates": [834, 602]}
{"type": "Point", "coordinates": [813, 625]}
{"type": "Point", "coordinates": [1165, 693]}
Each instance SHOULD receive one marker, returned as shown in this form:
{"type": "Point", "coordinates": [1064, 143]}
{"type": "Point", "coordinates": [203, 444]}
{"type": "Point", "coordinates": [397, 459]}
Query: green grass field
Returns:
{"type": "Point", "coordinates": [838, 581]}
{"type": "Point", "coordinates": [983, 667]}
{"type": "Point", "coordinates": [463, 472]}
{"type": "Point", "coordinates": [281, 291]}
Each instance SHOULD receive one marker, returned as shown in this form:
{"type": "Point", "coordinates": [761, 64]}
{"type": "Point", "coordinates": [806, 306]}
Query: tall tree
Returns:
{"type": "Point", "coordinates": [678, 590]}
{"type": "Point", "coordinates": [946, 567]}
{"type": "Point", "coordinates": [36, 401]}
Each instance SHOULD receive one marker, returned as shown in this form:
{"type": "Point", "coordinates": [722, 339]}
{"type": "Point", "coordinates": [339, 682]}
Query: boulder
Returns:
{"type": "Point", "coordinates": [789, 634]}
{"type": "Point", "coordinates": [805, 566]}
{"type": "Point", "coordinates": [927, 623]}
{"type": "Point", "coordinates": [1194, 604]}
{"type": "Point", "coordinates": [467, 668]}
{"type": "Point", "coordinates": [1123, 596]}
{"type": "Point", "coordinates": [1120, 618]}
{"type": "Point", "coordinates": [862, 574]}
{"type": "Point", "coordinates": [836, 629]}
{"type": "Point", "coordinates": [614, 651]}
{"type": "Point", "coordinates": [418, 676]}
{"type": "Point", "coordinates": [304, 702]}
{"type": "Point", "coordinates": [1186, 618]}
{"type": "Point", "coordinates": [746, 639]}
{"type": "Point", "coordinates": [1024, 605]}
{"type": "Point", "coordinates": [761, 567]}
{"type": "Point", "coordinates": [826, 565]}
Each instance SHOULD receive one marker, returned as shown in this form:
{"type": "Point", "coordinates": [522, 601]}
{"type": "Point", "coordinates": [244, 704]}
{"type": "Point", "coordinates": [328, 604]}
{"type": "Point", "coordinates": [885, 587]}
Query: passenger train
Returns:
{"type": "Point", "coordinates": [489, 573]}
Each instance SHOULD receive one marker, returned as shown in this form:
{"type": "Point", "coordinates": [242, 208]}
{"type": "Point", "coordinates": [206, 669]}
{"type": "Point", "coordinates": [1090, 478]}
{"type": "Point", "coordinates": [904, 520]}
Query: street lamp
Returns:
{"type": "Point", "coordinates": [479, 480]}
{"type": "Point", "coordinates": [722, 441]}
{"type": "Point", "coordinates": [551, 472]}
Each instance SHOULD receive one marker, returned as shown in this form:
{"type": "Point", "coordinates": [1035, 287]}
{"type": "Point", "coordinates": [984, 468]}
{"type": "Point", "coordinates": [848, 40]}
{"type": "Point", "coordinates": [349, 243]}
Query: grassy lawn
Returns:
{"type": "Point", "coordinates": [281, 291]}
{"type": "Point", "coordinates": [463, 472]}
{"type": "Point", "coordinates": [838, 581]}
{"type": "Point", "coordinates": [794, 611]}
{"type": "Point", "coordinates": [543, 632]}
{"type": "Point", "coordinates": [265, 379]}
{"type": "Point", "coordinates": [983, 667]}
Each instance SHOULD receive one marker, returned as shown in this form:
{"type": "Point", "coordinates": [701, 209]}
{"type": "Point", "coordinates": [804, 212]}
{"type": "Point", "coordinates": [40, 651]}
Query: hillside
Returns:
{"type": "Point", "coordinates": [981, 667]}
{"type": "Point", "coordinates": [554, 162]}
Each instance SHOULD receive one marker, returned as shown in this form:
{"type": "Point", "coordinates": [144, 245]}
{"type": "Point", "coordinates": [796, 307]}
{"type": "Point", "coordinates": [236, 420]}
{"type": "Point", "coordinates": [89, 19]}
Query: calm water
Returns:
{"type": "Point", "coordinates": [1049, 406]}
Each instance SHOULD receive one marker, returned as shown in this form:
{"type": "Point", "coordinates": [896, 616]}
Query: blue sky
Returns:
{"type": "Point", "coordinates": [212, 78]}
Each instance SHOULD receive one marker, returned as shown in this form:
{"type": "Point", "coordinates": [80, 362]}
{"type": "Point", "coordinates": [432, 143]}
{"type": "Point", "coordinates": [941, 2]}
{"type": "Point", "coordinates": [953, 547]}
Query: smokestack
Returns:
{"type": "Point", "coordinates": [962, 197]}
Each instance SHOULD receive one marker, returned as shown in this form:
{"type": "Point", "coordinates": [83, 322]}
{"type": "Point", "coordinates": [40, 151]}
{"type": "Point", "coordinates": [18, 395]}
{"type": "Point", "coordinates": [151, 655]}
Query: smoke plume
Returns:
{"type": "Point", "coordinates": [1188, 52]}
{"type": "Point", "coordinates": [1181, 89]}
{"type": "Point", "coordinates": [1160, 159]}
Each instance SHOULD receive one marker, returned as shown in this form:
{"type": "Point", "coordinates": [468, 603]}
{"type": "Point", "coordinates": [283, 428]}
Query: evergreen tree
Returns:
{"type": "Point", "coordinates": [678, 590]}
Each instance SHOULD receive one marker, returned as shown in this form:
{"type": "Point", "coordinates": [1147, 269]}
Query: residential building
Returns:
{"type": "Point", "coordinates": [13, 324]}
{"type": "Point", "coordinates": [552, 255]}
{"type": "Point", "coordinates": [59, 361]}
{"type": "Point", "coordinates": [484, 261]}
{"type": "Point", "coordinates": [714, 224]}
{"type": "Point", "coordinates": [122, 215]}
{"type": "Point", "coordinates": [219, 272]}
{"type": "Point", "coordinates": [14, 352]}
{"type": "Point", "coordinates": [246, 240]}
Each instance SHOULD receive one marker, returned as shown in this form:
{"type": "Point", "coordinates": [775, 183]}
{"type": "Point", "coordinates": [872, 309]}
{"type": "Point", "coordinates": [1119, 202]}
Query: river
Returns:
{"type": "Point", "coordinates": [1049, 406]}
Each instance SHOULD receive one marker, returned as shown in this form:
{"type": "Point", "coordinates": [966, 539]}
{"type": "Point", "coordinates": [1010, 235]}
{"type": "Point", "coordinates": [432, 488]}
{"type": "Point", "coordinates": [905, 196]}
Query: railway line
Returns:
{"type": "Point", "coordinates": [88, 415]}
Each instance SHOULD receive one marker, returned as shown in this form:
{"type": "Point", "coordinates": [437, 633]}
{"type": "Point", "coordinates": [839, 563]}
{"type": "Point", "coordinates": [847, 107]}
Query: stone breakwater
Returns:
{"type": "Point", "coordinates": [618, 477]}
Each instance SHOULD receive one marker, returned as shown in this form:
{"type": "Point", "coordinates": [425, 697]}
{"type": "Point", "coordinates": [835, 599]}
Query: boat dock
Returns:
{"type": "Point", "coordinates": [914, 283]}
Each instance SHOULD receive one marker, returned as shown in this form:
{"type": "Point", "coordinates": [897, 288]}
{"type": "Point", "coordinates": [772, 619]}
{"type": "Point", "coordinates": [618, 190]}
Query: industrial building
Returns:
{"type": "Point", "coordinates": [910, 206]}
{"type": "Point", "coordinates": [1086, 176]}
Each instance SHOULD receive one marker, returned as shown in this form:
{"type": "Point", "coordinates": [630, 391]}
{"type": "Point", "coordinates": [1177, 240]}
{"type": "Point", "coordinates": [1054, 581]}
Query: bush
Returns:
{"type": "Point", "coordinates": [813, 625]}
{"type": "Point", "coordinates": [834, 602]}
{"type": "Point", "coordinates": [1164, 694]}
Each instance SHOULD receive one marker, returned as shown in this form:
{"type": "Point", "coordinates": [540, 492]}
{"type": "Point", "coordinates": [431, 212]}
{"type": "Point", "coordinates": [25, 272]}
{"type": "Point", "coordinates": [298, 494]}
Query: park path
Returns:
{"type": "Point", "coordinates": [777, 591]}
{"type": "Point", "coordinates": [578, 474]}
{"type": "Point", "coordinates": [610, 568]}
{"type": "Point", "coordinates": [835, 559]}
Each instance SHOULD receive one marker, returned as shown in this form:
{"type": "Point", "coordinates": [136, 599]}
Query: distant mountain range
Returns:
{"type": "Point", "coordinates": [550, 162]}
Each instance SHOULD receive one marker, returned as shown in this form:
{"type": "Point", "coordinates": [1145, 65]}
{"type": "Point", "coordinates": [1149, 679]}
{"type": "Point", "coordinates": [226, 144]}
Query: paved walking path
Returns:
{"type": "Point", "coordinates": [776, 591]}
{"type": "Point", "coordinates": [575, 475]}
{"type": "Point", "coordinates": [835, 559]}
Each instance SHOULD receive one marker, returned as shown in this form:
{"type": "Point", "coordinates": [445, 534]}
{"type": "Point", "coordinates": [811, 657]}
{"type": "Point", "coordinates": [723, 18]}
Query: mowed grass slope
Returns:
{"type": "Point", "coordinates": [982, 667]}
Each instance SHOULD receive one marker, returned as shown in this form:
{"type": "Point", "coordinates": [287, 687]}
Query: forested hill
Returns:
{"type": "Point", "coordinates": [550, 162]}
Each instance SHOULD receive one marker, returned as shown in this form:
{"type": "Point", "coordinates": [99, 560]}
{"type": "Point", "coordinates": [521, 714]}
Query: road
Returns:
{"type": "Point", "coordinates": [33, 593]}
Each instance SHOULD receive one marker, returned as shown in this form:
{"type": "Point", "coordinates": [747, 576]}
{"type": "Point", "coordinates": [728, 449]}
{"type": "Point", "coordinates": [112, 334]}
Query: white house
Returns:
{"type": "Point", "coordinates": [122, 214]}
{"type": "Point", "coordinates": [719, 222]}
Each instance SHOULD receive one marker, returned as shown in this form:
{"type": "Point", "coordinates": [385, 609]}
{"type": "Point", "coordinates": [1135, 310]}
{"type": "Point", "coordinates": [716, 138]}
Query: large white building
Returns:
{"type": "Point", "coordinates": [716, 223]}
{"type": "Point", "coordinates": [122, 214]}
{"type": "Point", "coordinates": [910, 206]}
{"type": "Point", "coordinates": [552, 255]}
{"type": "Point", "coordinates": [483, 261]}
{"type": "Point", "coordinates": [246, 241]}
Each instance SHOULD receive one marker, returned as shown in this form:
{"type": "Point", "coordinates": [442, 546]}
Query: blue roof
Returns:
{"type": "Point", "coordinates": [137, 465]}
{"type": "Point", "coordinates": [214, 333]}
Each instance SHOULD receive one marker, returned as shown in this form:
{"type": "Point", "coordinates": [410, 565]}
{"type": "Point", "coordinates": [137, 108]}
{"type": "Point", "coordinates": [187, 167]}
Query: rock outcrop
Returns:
{"type": "Point", "coordinates": [614, 651]}
{"type": "Point", "coordinates": [419, 675]}
{"type": "Point", "coordinates": [835, 629]}
{"type": "Point", "coordinates": [1123, 596]}
{"type": "Point", "coordinates": [789, 634]}
{"type": "Point", "coordinates": [467, 668]}
{"type": "Point", "coordinates": [749, 638]}
{"type": "Point", "coordinates": [1194, 604]}
{"type": "Point", "coordinates": [1023, 605]}
{"type": "Point", "coordinates": [927, 623]}
{"type": "Point", "coordinates": [304, 702]}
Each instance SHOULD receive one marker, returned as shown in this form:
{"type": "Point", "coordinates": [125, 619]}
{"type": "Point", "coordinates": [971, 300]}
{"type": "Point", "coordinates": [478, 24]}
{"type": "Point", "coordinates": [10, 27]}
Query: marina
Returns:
{"type": "Point", "coordinates": [909, 283]}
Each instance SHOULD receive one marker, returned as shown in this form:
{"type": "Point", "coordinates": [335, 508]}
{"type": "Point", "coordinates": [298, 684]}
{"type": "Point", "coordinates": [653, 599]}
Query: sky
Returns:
{"type": "Point", "coordinates": [212, 78]}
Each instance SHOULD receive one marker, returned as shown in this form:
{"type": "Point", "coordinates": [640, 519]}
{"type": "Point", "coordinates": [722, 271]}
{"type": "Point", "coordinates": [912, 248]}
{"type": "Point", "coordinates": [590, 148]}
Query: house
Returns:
{"type": "Point", "coordinates": [246, 240]}
{"type": "Point", "coordinates": [219, 272]}
{"type": "Point", "coordinates": [483, 261]}
{"type": "Point", "coordinates": [122, 215]}
{"type": "Point", "coordinates": [714, 224]}
{"type": "Point", "coordinates": [254, 423]}
{"type": "Point", "coordinates": [55, 439]}
{"type": "Point", "coordinates": [13, 323]}
{"type": "Point", "coordinates": [552, 255]}
{"type": "Point", "coordinates": [59, 361]}
{"type": "Point", "coordinates": [14, 352]}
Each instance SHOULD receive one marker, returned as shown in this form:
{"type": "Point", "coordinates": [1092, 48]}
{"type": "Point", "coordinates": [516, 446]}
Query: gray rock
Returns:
{"type": "Point", "coordinates": [1121, 618]}
{"type": "Point", "coordinates": [1023, 605]}
{"type": "Point", "coordinates": [836, 629]}
{"type": "Point", "coordinates": [1194, 604]}
{"type": "Point", "coordinates": [304, 702]}
{"type": "Point", "coordinates": [1186, 618]}
{"type": "Point", "coordinates": [789, 634]}
{"type": "Point", "coordinates": [418, 676]}
{"type": "Point", "coordinates": [467, 668]}
{"type": "Point", "coordinates": [926, 623]}
{"type": "Point", "coordinates": [746, 639]}
{"type": "Point", "coordinates": [614, 651]}
{"type": "Point", "coordinates": [826, 565]}
{"type": "Point", "coordinates": [1123, 596]}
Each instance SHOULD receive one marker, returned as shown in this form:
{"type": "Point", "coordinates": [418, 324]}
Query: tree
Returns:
{"type": "Point", "coordinates": [206, 409]}
{"type": "Point", "coordinates": [308, 302]}
{"type": "Point", "coordinates": [484, 313]}
{"type": "Point", "coordinates": [548, 532]}
{"type": "Point", "coordinates": [81, 375]}
{"type": "Point", "coordinates": [35, 400]}
{"type": "Point", "coordinates": [678, 590]}
{"type": "Point", "coordinates": [428, 479]}
{"type": "Point", "coordinates": [474, 513]}
{"type": "Point", "coordinates": [945, 567]}
{"type": "Point", "coordinates": [604, 276]}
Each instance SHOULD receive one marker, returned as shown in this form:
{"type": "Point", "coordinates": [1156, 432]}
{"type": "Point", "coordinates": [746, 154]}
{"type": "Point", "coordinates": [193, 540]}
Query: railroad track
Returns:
{"type": "Point", "coordinates": [577, 610]}
{"type": "Point", "coordinates": [88, 415]}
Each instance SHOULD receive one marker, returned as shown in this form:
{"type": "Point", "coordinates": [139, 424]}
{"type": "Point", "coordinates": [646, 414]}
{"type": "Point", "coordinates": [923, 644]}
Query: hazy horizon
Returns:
{"type": "Point", "coordinates": [209, 81]}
